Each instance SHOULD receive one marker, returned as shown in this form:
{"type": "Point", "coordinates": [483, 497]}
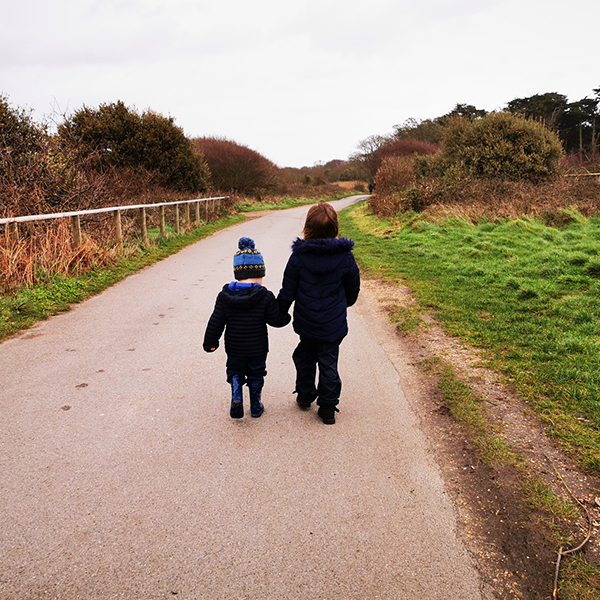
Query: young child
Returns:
{"type": "Point", "coordinates": [243, 310]}
{"type": "Point", "coordinates": [322, 278]}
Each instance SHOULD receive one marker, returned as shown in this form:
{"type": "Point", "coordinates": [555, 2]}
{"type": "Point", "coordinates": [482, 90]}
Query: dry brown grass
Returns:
{"type": "Point", "coordinates": [478, 200]}
{"type": "Point", "coordinates": [358, 186]}
{"type": "Point", "coordinates": [36, 256]}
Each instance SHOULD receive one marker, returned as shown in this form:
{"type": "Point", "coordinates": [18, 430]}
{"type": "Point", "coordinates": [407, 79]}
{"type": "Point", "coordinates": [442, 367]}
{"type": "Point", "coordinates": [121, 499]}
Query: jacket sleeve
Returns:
{"type": "Point", "coordinates": [289, 286]}
{"type": "Point", "coordinates": [351, 281]}
{"type": "Point", "coordinates": [215, 327]}
{"type": "Point", "coordinates": [274, 315]}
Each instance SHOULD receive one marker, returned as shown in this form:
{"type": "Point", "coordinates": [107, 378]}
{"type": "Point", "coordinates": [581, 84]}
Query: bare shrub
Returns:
{"type": "Point", "coordinates": [394, 178]}
{"type": "Point", "coordinates": [373, 151]}
{"type": "Point", "coordinates": [235, 167]}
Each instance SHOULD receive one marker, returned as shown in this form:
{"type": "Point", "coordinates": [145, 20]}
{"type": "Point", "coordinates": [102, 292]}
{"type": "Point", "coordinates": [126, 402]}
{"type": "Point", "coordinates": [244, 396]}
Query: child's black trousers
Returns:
{"type": "Point", "coordinates": [310, 354]}
{"type": "Point", "coordinates": [250, 369]}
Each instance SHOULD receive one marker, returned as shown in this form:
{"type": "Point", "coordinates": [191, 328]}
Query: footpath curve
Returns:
{"type": "Point", "coordinates": [122, 475]}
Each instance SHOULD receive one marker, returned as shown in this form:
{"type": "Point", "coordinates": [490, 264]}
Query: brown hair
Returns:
{"type": "Point", "coordinates": [321, 222]}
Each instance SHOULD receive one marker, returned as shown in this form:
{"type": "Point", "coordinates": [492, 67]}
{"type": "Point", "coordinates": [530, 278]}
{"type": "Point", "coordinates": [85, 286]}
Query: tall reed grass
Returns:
{"type": "Point", "coordinates": [39, 255]}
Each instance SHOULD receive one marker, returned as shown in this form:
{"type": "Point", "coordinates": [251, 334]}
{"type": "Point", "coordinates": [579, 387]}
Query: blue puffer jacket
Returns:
{"type": "Point", "coordinates": [323, 279]}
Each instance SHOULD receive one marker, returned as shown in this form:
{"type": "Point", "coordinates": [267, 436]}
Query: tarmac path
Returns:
{"type": "Point", "coordinates": [122, 475]}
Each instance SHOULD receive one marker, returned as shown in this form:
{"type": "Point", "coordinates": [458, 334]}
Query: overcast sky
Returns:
{"type": "Point", "coordinates": [300, 82]}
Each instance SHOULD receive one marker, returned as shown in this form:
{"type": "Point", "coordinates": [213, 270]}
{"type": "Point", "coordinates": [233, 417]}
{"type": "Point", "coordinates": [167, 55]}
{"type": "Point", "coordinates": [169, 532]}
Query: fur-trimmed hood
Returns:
{"type": "Point", "coordinates": [324, 246]}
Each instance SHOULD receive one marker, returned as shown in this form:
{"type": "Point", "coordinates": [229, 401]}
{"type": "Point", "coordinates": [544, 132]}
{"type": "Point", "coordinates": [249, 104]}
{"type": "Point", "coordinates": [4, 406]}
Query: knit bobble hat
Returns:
{"type": "Point", "coordinates": [248, 262]}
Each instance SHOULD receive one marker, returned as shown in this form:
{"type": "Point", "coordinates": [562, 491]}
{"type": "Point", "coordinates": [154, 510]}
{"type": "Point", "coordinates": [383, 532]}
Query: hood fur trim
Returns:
{"type": "Point", "coordinates": [325, 246]}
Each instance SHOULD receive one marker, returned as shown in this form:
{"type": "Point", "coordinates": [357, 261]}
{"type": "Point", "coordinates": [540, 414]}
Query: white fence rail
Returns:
{"type": "Point", "coordinates": [211, 206]}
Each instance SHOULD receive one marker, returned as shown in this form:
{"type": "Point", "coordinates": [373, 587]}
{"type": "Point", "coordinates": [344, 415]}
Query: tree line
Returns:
{"type": "Point", "coordinates": [577, 124]}
{"type": "Point", "coordinates": [471, 157]}
{"type": "Point", "coordinates": [114, 154]}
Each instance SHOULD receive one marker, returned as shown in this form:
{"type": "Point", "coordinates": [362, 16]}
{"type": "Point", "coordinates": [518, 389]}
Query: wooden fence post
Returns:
{"type": "Point", "coordinates": [177, 229]}
{"type": "Point", "coordinates": [188, 220]}
{"type": "Point", "coordinates": [163, 228]}
{"type": "Point", "coordinates": [7, 233]}
{"type": "Point", "coordinates": [144, 226]}
{"type": "Point", "coordinates": [197, 214]}
{"type": "Point", "coordinates": [118, 230]}
{"type": "Point", "coordinates": [76, 230]}
{"type": "Point", "coordinates": [15, 232]}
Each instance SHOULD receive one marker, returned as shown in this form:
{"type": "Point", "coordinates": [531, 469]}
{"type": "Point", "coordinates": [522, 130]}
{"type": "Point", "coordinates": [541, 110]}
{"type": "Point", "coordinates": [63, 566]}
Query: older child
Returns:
{"type": "Point", "coordinates": [243, 310]}
{"type": "Point", "coordinates": [322, 278]}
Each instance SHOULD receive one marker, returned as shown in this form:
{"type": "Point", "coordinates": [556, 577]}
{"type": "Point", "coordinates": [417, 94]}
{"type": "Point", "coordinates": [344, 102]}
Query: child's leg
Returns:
{"type": "Point", "coordinates": [256, 371]}
{"type": "Point", "coordinates": [236, 377]}
{"type": "Point", "coordinates": [305, 360]}
{"type": "Point", "coordinates": [330, 384]}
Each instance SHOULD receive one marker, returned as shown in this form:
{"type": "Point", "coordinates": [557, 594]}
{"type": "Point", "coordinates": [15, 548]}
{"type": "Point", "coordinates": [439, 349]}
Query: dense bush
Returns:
{"type": "Point", "coordinates": [402, 147]}
{"type": "Point", "coordinates": [375, 149]}
{"type": "Point", "coordinates": [395, 186]}
{"type": "Point", "coordinates": [428, 130]}
{"type": "Point", "coordinates": [500, 145]}
{"type": "Point", "coordinates": [35, 174]}
{"type": "Point", "coordinates": [116, 136]}
{"type": "Point", "coordinates": [235, 167]}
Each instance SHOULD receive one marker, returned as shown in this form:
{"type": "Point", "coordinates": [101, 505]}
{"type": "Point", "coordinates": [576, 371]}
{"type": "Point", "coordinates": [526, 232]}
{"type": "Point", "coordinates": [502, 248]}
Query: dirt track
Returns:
{"type": "Point", "coordinates": [123, 476]}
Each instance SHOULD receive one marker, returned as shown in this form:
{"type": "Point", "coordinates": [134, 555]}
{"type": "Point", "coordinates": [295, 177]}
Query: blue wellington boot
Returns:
{"type": "Point", "coordinates": [256, 406]}
{"type": "Point", "coordinates": [237, 398]}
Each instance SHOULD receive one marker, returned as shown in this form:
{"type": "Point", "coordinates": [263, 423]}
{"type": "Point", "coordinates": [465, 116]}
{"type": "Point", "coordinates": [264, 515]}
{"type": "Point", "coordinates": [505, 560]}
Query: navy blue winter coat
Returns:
{"type": "Point", "coordinates": [244, 313]}
{"type": "Point", "coordinates": [322, 278]}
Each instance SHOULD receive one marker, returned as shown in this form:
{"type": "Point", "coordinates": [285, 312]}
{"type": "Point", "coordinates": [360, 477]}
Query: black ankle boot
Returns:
{"type": "Point", "coordinates": [304, 401]}
{"type": "Point", "coordinates": [237, 399]}
{"type": "Point", "coordinates": [327, 413]}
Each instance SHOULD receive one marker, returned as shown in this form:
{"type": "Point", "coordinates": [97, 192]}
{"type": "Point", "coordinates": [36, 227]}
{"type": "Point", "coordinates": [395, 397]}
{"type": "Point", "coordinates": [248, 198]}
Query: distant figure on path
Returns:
{"type": "Point", "coordinates": [243, 310]}
{"type": "Point", "coordinates": [322, 278]}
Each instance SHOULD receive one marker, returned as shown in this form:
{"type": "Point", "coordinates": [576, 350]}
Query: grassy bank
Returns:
{"type": "Point", "coordinates": [23, 308]}
{"type": "Point", "coordinates": [525, 293]}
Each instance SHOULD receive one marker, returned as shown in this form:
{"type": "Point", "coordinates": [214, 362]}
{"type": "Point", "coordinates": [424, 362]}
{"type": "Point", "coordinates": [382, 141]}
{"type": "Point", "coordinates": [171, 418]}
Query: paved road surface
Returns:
{"type": "Point", "coordinates": [122, 475]}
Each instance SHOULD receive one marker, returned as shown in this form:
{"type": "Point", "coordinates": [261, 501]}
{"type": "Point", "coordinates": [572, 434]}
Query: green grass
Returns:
{"type": "Point", "coordinates": [26, 306]}
{"type": "Point", "coordinates": [527, 294]}
{"type": "Point", "coordinates": [283, 203]}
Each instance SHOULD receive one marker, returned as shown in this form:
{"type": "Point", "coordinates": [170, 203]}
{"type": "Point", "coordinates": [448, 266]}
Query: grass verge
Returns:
{"type": "Point", "coordinates": [28, 305]}
{"type": "Point", "coordinates": [528, 296]}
